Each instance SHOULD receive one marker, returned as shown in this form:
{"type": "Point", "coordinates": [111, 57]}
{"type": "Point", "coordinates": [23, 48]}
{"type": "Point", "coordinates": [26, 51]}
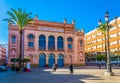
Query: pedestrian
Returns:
{"type": "Point", "coordinates": [99, 65]}
{"type": "Point", "coordinates": [54, 68]}
{"type": "Point", "coordinates": [71, 69]}
{"type": "Point", "coordinates": [28, 67]}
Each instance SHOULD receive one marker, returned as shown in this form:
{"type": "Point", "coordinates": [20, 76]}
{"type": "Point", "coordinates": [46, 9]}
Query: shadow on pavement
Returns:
{"type": "Point", "coordinates": [39, 75]}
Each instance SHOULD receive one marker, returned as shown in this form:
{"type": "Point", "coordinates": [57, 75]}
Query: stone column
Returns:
{"type": "Point", "coordinates": [56, 43]}
{"type": "Point", "coordinates": [46, 42]}
{"type": "Point", "coordinates": [56, 59]}
{"type": "Point", "coordinates": [36, 42]}
{"type": "Point", "coordinates": [47, 57]}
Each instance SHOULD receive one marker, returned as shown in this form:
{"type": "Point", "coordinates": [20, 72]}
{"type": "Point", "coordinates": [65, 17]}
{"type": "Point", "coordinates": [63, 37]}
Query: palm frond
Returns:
{"type": "Point", "coordinates": [102, 28]}
{"type": "Point", "coordinates": [19, 17]}
{"type": "Point", "coordinates": [9, 21]}
{"type": "Point", "coordinates": [13, 17]}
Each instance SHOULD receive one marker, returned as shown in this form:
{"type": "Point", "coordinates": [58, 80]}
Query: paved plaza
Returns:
{"type": "Point", "coordinates": [62, 75]}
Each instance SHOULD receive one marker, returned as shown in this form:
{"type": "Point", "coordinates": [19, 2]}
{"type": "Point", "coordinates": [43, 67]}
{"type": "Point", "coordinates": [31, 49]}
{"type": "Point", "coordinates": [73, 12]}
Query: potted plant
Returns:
{"type": "Point", "coordinates": [25, 60]}
{"type": "Point", "coordinates": [14, 60]}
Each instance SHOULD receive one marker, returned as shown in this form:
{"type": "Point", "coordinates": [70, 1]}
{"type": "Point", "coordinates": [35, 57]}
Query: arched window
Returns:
{"type": "Point", "coordinates": [60, 60]}
{"type": "Point", "coordinates": [69, 39]}
{"type": "Point", "coordinates": [42, 56]}
{"type": "Point", "coordinates": [30, 36]}
{"type": "Point", "coordinates": [51, 60]}
{"type": "Point", "coordinates": [60, 43]}
{"type": "Point", "coordinates": [13, 39]}
{"type": "Point", "coordinates": [31, 41]}
{"type": "Point", "coordinates": [42, 42]}
{"type": "Point", "coordinates": [51, 43]}
{"type": "Point", "coordinates": [81, 43]}
{"type": "Point", "coordinates": [51, 56]}
{"type": "Point", "coordinates": [69, 42]}
{"type": "Point", "coordinates": [60, 56]}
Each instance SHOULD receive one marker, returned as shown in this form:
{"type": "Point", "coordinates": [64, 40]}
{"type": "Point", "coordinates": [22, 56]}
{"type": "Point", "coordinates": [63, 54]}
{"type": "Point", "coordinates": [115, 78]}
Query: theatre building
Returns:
{"type": "Point", "coordinates": [46, 43]}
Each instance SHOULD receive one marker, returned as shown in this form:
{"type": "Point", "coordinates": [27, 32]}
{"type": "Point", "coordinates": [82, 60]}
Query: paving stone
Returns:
{"type": "Point", "coordinates": [62, 75]}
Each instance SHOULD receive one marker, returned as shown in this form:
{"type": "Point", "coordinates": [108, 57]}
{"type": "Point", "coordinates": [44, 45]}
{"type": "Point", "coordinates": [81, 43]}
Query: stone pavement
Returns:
{"type": "Point", "coordinates": [62, 75]}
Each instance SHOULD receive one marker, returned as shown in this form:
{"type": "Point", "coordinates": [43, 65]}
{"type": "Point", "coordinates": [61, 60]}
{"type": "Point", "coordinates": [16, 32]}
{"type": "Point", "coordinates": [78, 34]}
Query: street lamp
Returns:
{"type": "Point", "coordinates": [109, 70]}
{"type": "Point", "coordinates": [99, 22]}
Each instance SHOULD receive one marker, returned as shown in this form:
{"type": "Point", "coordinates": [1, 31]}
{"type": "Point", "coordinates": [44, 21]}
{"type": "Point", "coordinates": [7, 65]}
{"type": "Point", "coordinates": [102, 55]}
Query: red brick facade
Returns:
{"type": "Point", "coordinates": [55, 29]}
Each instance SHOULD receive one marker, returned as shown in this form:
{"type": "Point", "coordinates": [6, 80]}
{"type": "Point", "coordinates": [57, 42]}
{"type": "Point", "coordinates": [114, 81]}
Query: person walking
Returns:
{"type": "Point", "coordinates": [54, 68]}
{"type": "Point", "coordinates": [71, 69]}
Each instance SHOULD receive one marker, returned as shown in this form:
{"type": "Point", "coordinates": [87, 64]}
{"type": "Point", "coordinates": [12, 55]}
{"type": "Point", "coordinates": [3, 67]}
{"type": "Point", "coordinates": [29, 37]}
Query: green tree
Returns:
{"type": "Point", "coordinates": [14, 60]}
{"type": "Point", "coordinates": [20, 18]}
{"type": "Point", "coordinates": [115, 55]}
{"type": "Point", "coordinates": [102, 28]}
{"type": "Point", "coordinates": [100, 57]}
{"type": "Point", "coordinates": [89, 56]}
{"type": "Point", "coordinates": [25, 60]}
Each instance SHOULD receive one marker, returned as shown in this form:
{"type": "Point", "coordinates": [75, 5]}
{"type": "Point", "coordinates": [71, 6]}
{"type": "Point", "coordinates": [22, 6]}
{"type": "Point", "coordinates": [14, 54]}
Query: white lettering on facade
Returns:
{"type": "Point", "coordinates": [50, 29]}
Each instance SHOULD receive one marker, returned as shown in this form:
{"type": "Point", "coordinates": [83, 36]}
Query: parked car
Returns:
{"type": "Point", "coordinates": [3, 67]}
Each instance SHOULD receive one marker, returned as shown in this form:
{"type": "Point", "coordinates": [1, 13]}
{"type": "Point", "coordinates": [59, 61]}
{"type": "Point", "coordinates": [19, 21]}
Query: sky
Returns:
{"type": "Point", "coordinates": [86, 13]}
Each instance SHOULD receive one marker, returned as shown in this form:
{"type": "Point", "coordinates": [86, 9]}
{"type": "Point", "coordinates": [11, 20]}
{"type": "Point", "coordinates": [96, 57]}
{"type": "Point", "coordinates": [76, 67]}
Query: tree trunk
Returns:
{"type": "Point", "coordinates": [20, 57]}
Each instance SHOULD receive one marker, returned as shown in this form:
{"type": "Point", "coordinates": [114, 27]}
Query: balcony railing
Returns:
{"type": "Point", "coordinates": [60, 49]}
{"type": "Point", "coordinates": [51, 49]}
{"type": "Point", "coordinates": [42, 48]}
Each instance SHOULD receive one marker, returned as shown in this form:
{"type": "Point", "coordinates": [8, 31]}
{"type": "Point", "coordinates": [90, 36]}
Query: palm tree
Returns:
{"type": "Point", "coordinates": [102, 28]}
{"type": "Point", "coordinates": [19, 18]}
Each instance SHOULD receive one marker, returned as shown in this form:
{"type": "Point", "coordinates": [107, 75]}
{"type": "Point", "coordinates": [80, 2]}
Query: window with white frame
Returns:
{"type": "Point", "coordinates": [94, 47]}
{"type": "Point", "coordinates": [99, 33]}
{"type": "Point", "coordinates": [88, 43]}
{"type": "Point", "coordinates": [112, 28]}
{"type": "Point", "coordinates": [119, 41]}
{"type": "Point", "coordinates": [88, 48]}
{"type": "Point", "coordinates": [118, 33]}
{"type": "Point", "coordinates": [113, 35]}
{"type": "Point", "coordinates": [99, 46]}
{"type": "Point", "coordinates": [93, 36]}
{"type": "Point", "coordinates": [94, 41]}
{"type": "Point", "coordinates": [98, 40]}
{"type": "Point", "coordinates": [113, 43]}
{"type": "Point", "coordinates": [103, 45]}
{"type": "Point", "coordinates": [88, 38]}
{"type": "Point", "coordinates": [113, 50]}
{"type": "Point", "coordinates": [103, 38]}
{"type": "Point", "coordinates": [119, 25]}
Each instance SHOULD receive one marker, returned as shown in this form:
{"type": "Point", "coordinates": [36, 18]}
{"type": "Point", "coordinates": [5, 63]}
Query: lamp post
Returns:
{"type": "Point", "coordinates": [109, 70]}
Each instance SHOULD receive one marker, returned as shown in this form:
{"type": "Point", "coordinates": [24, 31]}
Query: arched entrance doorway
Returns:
{"type": "Point", "coordinates": [42, 60]}
{"type": "Point", "coordinates": [51, 60]}
{"type": "Point", "coordinates": [60, 60]}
